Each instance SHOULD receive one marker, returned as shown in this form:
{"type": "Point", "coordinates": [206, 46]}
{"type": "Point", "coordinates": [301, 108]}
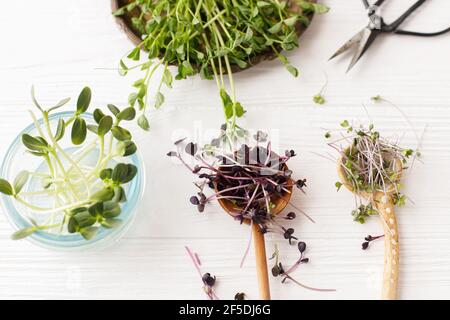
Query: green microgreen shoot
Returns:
{"type": "Point", "coordinates": [85, 197]}
{"type": "Point", "coordinates": [370, 163]}
{"type": "Point", "coordinates": [212, 38]}
{"type": "Point", "coordinates": [319, 97]}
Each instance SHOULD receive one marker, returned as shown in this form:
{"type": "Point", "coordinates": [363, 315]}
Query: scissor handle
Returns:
{"type": "Point", "coordinates": [377, 4]}
{"type": "Point", "coordinates": [393, 26]}
{"type": "Point", "coordinates": [422, 34]}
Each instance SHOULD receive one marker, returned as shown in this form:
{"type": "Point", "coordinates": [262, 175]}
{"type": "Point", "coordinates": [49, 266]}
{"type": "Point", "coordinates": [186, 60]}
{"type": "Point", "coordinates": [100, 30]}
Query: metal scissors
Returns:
{"type": "Point", "coordinates": [364, 39]}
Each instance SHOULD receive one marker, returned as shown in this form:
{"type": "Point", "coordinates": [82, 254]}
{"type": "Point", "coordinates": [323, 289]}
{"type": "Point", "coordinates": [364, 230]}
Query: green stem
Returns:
{"type": "Point", "coordinates": [63, 153]}
{"type": "Point", "coordinates": [52, 210]}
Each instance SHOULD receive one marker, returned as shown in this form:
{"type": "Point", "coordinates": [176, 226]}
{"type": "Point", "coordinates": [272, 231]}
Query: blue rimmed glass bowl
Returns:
{"type": "Point", "coordinates": [18, 159]}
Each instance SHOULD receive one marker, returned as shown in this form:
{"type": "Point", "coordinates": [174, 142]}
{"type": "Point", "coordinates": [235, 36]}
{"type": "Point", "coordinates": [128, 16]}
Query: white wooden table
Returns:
{"type": "Point", "coordinates": [62, 45]}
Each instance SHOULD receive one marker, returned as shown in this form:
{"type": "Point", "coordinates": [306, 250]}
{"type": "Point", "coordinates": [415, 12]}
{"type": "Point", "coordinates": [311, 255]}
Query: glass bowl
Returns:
{"type": "Point", "coordinates": [18, 159]}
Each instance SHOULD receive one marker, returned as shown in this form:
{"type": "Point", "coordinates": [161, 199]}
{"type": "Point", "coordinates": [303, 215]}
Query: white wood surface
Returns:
{"type": "Point", "coordinates": [62, 45]}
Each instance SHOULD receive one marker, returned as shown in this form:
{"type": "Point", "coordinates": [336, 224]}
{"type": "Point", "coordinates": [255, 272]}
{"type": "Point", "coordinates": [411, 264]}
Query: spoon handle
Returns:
{"type": "Point", "coordinates": [385, 208]}
{"type": "Point", "coordinates": [261, 263]}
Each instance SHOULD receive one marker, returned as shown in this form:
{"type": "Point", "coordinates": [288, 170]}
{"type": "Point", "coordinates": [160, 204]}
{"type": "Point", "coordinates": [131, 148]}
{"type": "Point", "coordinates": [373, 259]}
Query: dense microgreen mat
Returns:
{"type": "Point", "coordinates": [212, 38]}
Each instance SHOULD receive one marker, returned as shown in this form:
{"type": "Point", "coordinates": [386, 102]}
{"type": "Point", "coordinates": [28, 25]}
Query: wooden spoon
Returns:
{"type": "Point", "coordinates": [258, 237]}
{"type": "Point", "coordinates": [384, 203]}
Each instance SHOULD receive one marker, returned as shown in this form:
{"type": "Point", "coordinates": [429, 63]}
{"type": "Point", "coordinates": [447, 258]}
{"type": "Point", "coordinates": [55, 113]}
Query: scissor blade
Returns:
{"type": "Point", "coordinates": [367, 39]}
{"type": "Point", "coordinates": [349, 44]}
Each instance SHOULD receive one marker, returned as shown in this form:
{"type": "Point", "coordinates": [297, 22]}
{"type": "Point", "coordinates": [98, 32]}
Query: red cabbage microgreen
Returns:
{"type": "Point", "coordinates": [253, 178]}
{"type": "Point", "coordinates": [278, 269]}
{"type": "Point", "coordinates": [208, 280]}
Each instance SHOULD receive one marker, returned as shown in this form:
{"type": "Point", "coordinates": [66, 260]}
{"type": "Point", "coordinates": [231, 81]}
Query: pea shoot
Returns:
{"type": "Point", "coordinates": [212, 38]}
{"type": "Point", "coordinates": [84, 183]}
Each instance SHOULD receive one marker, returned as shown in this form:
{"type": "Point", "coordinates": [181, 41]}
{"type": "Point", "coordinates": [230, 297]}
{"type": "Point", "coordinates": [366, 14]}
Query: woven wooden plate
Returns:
{"type": "Point", "coordinates": [135, 36]}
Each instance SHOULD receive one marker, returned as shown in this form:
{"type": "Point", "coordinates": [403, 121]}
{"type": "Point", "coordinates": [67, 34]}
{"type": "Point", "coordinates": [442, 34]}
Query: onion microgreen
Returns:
{"type": "Point", "coordinates": [85, 197]}
{"type": "Point", "coordinates": [212, 38]}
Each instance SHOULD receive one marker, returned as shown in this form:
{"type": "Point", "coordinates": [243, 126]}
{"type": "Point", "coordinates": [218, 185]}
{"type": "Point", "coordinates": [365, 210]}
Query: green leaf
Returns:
{"type": "Point", "coordinates": [139, 83]}
{"type": "Point", "coordinates": [59, 104]}
{"type": "Point", "coordinates": [319, 99]}
{"type": "Point", "coordinates": [20, 181]}
{"type": "Point", "coordinates": [131, 174]}
{"type": "Point", "coordinates": [146, 65]}
{"type": "Point", "coordinates": [283, 59]}
{"type": "Point", "coordinates": [239, 110]}
{"type": "Point", "coordinates": [98, 115]}
{"type": "Point", "coordinates": [60, 130]}
{"type": "Point", "coordinates": [168, 78]}
{"type": "Point", "coordinates": [142, 92]}
{"type": "Point", "coordinates": [241, 63]}
{"type": "Point", "coordinates": [105, 125]}
{"type": "Point", "coordinates": [105, 194]}
{"type": "Point", "coordinates": [106, 174]}
{"type": "Point", "coordinates": [114, 110]}
{"type": "Point", "coordinates": [132, 99]}
{"type": "Point", "coordinates": [127, 114]}
{"type": "Point", "coordinates": [135, 54]}
{"type": "Point", "coordinates": [143, 122]}
{"type": "Point", "coordinates": [119, 173]}
{"type": "Point", "coordinates": [79, 131]}
{"type": "Point", "coordinates": [84, 100]}
{"type": "Point", "coordinates": [124, 173]}
{"type": "Point", "coordinates": [93, 128]}
{"type": "Point", "coordinates": [293, 70]}
{"type": "Point", "coordinates": [72, 226]}
{"type": "Point", "coordinates": [111, 209]}
{"type": "Point", "coordinates": [120, 133]}
{"type": "Point", "coordinates": [276, 27]}
{"type": "Point", "coordinates": [119, 195]}
{"type": "Point", "coordinates": [290, 22]}
{"type": "Point", "coordinates": [84, 218]}
{"type": "Point", "coordinates": [6, 188]}
{"type": "Point", "coordinates": [34, 143]}
{"type": "Point", "coordinates": [408, 152]}
{"type": "Point", "coordinates": [138, 24]}
{"type": "Point", "coordinates": [227, 104]}
{"type": "Point", "coordinates": [129, 148]}
{"type": "Point", "coordinates": [159, 100]}
{"type": "Point", "coordinates": [96, 210]}
{"type": "Point", "coordinates": [320, 8]}
{"type": "Point", "coordinates": [338, 185]}
{"type": "Point", "coordinates": [205, 72]}
{"type": "Point", "coordinates": [23, 233]}
{"type": "Point", "coordinates": [111, 223]}
{"type": "Point", "coordinates": [262, 4]}
{"type": "Point", "coordinates": [119, 12]}
{"type": "Point", "coordinates": [89, 232]}
{"type": "Point", "coordinates": [344, 124]}
{"type": "Point", "coordinates": [186, 69]}
{"type": "Point", "coordinates": [123, 69]}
